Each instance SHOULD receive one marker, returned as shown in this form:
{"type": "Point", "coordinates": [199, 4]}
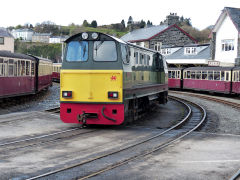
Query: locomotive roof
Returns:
{"type": "Point", "coordinates": [210, 68]}
{"type": "Point", "coordinates": [101, 36]}
{"type": "Point", "coordinates": [15, 55]}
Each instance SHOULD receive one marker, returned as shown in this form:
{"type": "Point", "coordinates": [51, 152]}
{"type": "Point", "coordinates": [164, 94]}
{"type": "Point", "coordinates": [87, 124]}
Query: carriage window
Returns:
{"type": "Point", "coordinates": [136, 57]}
{"type": "Point", "coordinates": [10, 67]}
{"type": "Point", "coordinates": [204, 74]}
{"type": "Point", "coordinates": [1, 67]}
{"type": "Point", "coordinates": [216, 75]}
{"type": "Point", "coordinates": [173, 74]}
{"type": "Point", "coordinates": [222, 76]}
{"type": "Point", "coordinates": [145, 59]}
{"type": "Point", "coordinates": [105, 51]}
{"type": "Point", "coordinates": [210, 75]}
{"type": "Point", "coordinates": [238, 75]}
{"type": "Point", "coordinates": [198, 74]}
{"type": "Point", "coordinates": [227, 76]}
{"type": "Point", "coordinates": [141, 58]}
{"type": "Point", "coordinates": [77, 51]}
{"type": "Point", "coordinates": [148, 60]}
{"type": "Point", "coordinates": [125, 54]}
{"type": "Point", "coordinates": [178, 74]}
{"type": "Point", "coordinates": [15, 68]}
{"type": "Point", "coordinates": [188, 74]}
{"type": "Point", "coordinates": [27, 68]}
{"type": "Point", "coordinates": [193, 75]}
{"type": "Point", "coordinates": [22, 69]}
{"type": "Point", "coordinates": [33, 69]}
{"type": "Point", "coordinates": [169, 74]}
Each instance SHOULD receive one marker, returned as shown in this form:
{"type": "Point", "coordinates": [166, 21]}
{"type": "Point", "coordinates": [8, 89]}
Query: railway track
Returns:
{"type": "Point", "coordinates": [43, 139]}
{"type": "Point", "coordinates": [53, 110]}
{"type": "Point", "coordinates": [209, 98]}
{"type": "Point", "coordinates": [194, 119]}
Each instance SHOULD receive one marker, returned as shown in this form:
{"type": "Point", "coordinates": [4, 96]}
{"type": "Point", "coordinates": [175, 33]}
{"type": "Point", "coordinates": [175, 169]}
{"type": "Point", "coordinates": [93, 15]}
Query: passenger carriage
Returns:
{"type": "Point", "coordinates": [236, 80]}
{"type": "Point", "coordinates": [22, 74]}
{"type": "Point", "coordinates": [175, 78]}
{"type": "Point", "coordinates": [213, 79]}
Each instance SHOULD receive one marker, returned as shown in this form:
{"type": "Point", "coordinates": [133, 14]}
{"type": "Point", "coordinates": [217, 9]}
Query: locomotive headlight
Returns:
{"type": "Point", "coordinates": [94, 35]}
{"type": "Point", "coordinates": [84, 35]}
{"type": "Point", "coordinates": [113, 95]}
{"type": "Point", "coordinates": [67, 94]}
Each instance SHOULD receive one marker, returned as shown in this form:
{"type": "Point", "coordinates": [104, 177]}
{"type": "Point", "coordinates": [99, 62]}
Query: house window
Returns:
{"type": "Point", "coordinates": [157, 46]}
{"type": "Point", "coordinates": [227, 45]}
{"type": "Point", "coordinates": [1, 40]}
{"type": "Point", "coordinates": [166, 51]}
{"type": "Point", "coordinates": [190, 50]}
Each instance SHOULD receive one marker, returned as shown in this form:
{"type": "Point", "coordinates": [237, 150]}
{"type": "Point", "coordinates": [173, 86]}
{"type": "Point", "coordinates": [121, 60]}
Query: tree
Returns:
{"type": "Point", "coordinates": [123, 23]}
{"type": "Point", "coordinates": [85, 23]}
{"type": "Point", "coordinates": [94, 24]}
{"type": "Point", "coordinates": [142, 24]}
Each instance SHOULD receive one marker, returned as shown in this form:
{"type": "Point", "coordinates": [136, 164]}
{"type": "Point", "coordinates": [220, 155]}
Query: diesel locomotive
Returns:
{"type": "Point", "coordinates": [105, 80]}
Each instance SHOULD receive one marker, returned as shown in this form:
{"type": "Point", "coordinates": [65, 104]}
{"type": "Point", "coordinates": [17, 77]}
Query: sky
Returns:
{"type": "Point", "coordinates": [64, 12]}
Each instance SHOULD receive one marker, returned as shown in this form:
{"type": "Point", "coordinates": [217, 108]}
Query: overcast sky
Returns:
{"type": "Point", "coordinates": [64, 12]}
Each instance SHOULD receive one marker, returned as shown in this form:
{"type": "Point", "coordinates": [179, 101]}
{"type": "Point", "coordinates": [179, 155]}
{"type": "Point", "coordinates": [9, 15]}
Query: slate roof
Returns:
{"type": "Point", "coordinates": [5, 33]}
{"type": "Point", "coordinates": [143, 33]}
{"type": "Point", "coordinates": [234, 14]}
{"type": "Point", "coordinates": [205, 53]}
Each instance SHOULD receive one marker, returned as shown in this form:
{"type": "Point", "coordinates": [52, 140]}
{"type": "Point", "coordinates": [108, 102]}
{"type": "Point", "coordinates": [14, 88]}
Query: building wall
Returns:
{"type": "Point", "coordinates": [8, 44]}
{"type": "Point", "coordinates": [37, 38]}
{"type": "Point", "coordinates": [171, 37]}
{"type": "Point", "coordinates": [226, 31]}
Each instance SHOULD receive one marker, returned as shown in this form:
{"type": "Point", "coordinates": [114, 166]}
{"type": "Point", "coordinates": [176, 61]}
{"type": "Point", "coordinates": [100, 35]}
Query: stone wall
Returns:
{"type": "Point", "coordinates": [171, 37]}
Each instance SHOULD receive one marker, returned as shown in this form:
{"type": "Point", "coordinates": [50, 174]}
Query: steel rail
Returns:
{"type": "Point", "coordinates": [122, 149]}
{"type": "Point", "coordinates": [160, 147]}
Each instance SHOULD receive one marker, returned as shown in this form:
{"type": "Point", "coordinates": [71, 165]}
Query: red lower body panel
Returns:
{"type": "Point", "coordinates": [107, 114]}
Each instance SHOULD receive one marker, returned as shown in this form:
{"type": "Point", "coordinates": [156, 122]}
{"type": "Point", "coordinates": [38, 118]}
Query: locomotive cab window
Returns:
{"type": "Point", "coordinates": [125, 53]}
{"type": "Point", "coordinates": [104, 51]}
{"type": "Point", "coordinates": [77, 51]}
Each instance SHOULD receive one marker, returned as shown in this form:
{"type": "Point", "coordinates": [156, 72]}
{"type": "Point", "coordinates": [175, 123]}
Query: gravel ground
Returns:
{"type": "Point", "coordinates": [39, 102]}
{"type": "Point", "coordinates": [221, 118]}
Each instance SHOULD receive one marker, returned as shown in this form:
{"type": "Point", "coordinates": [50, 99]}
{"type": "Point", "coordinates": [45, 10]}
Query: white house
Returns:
{"type": "Point", "coordinates": [226, 37]}
{"type": "Point", "coordinates": [23, 34]}
{"type": "Point", "coordinates": [57, 39]}
{"type": "Point", "coordinates": [6, 40]}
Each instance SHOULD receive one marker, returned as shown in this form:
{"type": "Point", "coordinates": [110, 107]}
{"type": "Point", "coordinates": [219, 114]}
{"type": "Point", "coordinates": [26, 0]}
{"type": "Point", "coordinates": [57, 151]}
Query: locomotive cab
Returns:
{"type": "Point", "coordinates": [91, 80]}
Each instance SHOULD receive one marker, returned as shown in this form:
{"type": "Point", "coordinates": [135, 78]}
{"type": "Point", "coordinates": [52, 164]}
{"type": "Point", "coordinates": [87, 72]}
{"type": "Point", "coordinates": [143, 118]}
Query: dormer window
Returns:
{"type": "Point", "coordinates": [227, 45]}
{"type": "Point", "coordinates": [190, 50]}
{"type": "Point", "coordinates": [166, 51]}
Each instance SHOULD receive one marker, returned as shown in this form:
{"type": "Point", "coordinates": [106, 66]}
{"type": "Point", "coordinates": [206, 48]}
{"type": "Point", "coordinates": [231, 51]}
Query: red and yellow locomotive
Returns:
{"type": "Point", "coordinates": [105, 80]}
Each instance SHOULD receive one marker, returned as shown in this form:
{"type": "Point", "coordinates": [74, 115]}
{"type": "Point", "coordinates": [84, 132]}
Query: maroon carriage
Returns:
{"type": "Point", "coordinates": [44, 73]}
{"type": "Point", "coordinates": [236, 80]}
{"type": "Point", "coordinates": [17, 74]}
{"type": "Point", "coordinates": [56, 72]}
{"type": "Point", "coordinates": [213, 79]}
{"type": "Point", "coordinates": [21, 74]}
{"type": "Point", "coordinates": [175, 78]}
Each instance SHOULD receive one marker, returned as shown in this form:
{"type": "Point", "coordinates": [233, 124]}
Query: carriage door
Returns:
{"type": "Point", "coordinates": [33, 77]}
